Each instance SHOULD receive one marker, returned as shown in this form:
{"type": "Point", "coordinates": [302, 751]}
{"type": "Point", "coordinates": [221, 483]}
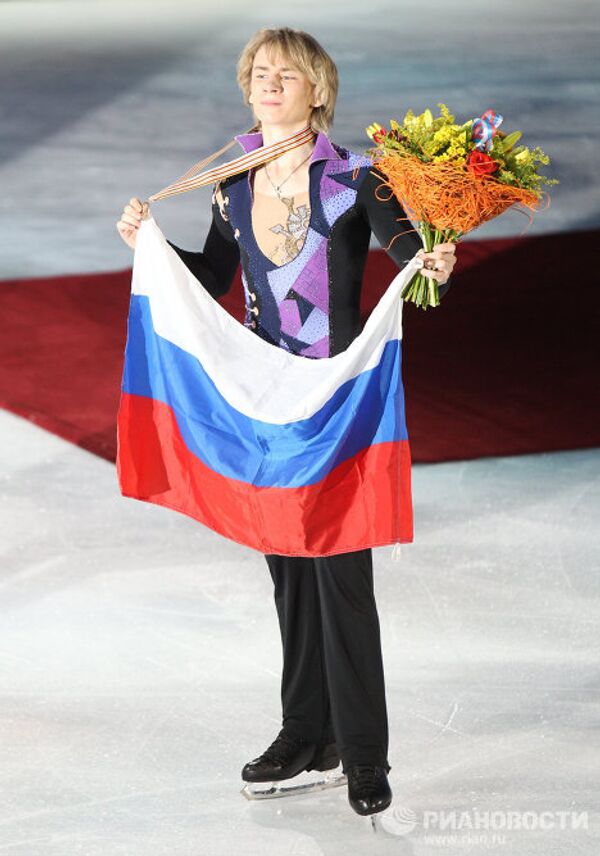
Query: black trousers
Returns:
{"type": "Point", "coordinates": [332, 685]}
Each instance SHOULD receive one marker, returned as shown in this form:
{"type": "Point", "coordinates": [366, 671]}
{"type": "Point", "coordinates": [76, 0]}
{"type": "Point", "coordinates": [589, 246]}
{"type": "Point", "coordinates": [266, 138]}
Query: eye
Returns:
{"type": "Point", "coordinates": [287, 76]}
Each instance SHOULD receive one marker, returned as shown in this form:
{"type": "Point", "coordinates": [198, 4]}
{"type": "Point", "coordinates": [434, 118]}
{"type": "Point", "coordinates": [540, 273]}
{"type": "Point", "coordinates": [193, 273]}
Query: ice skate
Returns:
{"type": "Point", "coordinates": [289, 757]}
{"type": "Point", "coordinates": [368, 788]}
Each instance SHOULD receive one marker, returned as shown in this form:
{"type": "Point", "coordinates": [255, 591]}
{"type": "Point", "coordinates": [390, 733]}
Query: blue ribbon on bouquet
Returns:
{"type": "Point", "coordinates": [484, 129]}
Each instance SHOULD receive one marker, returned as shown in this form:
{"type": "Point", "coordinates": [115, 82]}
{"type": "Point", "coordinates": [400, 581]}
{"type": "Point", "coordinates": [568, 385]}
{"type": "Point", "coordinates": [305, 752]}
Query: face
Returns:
{"type": "Point", "coordinates": [280, 94]}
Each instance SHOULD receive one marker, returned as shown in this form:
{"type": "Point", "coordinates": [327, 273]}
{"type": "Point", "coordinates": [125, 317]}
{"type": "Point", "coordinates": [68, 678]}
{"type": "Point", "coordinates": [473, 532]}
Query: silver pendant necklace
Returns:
{"type": "Point", "coordinates": [277, 187]}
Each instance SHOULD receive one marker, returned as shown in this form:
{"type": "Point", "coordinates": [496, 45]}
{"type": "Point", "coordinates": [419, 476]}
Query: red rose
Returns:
{"type": "Point", "coordinates": [481, 164]}
{"type": "Point", "coordinates": [379, 136]}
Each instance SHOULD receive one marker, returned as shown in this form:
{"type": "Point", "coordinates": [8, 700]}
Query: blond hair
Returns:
{"type": "Point", "coordinates": [307, 55]}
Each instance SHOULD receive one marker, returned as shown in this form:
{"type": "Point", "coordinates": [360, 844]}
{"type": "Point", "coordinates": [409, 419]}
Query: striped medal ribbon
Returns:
{"type": "Point", "coordinates": [193, 178]}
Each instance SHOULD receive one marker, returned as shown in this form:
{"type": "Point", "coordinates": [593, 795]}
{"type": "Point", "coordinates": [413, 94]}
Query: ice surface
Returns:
{"type": "Point", "coordinates": [141, 661]}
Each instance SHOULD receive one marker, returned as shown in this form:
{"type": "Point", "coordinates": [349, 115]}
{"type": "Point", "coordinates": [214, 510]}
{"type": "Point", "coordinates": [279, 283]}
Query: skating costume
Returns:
{"type": "Point", "coordinates": [332, 683]}
{"type": "Point", "coordinates": [310, 305]}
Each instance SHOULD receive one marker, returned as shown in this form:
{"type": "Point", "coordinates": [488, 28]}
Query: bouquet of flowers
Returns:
{"type": "Point", "coordinates": [450, 178]}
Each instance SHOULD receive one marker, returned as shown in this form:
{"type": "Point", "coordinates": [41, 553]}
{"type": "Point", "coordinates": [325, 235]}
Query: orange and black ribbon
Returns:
{"type": "Point", "coordinates": [194, 178]}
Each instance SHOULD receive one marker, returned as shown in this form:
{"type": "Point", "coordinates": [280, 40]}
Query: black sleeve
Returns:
{"type": "Point", "coordinates": [382, 216]}
{"type": "Point", "coordinates": [216, 265]}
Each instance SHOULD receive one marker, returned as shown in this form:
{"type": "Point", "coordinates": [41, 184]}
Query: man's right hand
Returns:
{"type": "Point", "coordinates": [132, 216]}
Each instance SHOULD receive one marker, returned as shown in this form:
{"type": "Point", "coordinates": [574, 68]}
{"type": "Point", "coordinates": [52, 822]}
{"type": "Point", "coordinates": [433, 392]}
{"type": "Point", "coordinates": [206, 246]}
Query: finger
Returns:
{"type": "Point", "coordinates": [133, 211]}
{"type": "Point", "coordinates": [442, 262]}
{"type": "Point", "coordinates": [448, 246]}
{"type": "Point", "coordinates": [125, 231]}
{"type": "Point", "coordinates": [131, 218]}
{"type": "Point", "coordinates": [439, 276]}
{"type": "Point", "coordinates": [443, 266]}
{"type": "Point", "coordinates": [136, 203]}
{"type": "Point", "coordinates": [436, 256]}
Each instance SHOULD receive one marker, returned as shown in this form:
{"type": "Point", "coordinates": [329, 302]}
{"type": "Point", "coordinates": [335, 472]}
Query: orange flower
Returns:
{"type": "Point", "coordinates": [448, 196]}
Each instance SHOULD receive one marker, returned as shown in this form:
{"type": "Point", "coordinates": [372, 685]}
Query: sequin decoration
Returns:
{"type": "Point", "coordinates": [305, 306]}
{"type": "Point", "coordinates": [294, 296]}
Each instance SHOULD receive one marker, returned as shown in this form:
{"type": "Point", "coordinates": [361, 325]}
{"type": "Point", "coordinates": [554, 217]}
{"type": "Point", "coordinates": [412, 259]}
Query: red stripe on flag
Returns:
{"type": "Point", "coordinates": [364, 502]}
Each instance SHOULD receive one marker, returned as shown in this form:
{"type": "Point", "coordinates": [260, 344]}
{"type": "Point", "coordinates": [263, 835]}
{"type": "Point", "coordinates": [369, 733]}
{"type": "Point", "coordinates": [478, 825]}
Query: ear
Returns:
{"type": "Point", "coordinates": [316, 94]}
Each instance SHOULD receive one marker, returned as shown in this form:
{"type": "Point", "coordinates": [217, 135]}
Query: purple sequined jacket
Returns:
{"type": "Point", "coordinates": [309, 305]}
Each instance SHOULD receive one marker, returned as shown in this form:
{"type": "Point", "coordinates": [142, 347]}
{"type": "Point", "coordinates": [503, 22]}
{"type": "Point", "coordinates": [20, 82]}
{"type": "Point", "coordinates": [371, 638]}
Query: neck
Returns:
{"type": "Point", "coordinates": [282, 165]}
{"type": "Point", "coordinates": [274, 133]}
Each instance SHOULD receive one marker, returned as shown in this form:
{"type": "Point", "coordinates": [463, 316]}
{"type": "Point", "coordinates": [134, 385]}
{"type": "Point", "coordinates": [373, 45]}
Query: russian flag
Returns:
{"type": "Point", "coordinates": [279, 452]}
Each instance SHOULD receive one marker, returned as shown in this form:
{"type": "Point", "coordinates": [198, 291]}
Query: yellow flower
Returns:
{"type": "Point", "coordinates": [447, 143]}
{"type": "Point", "coordinates": [374, 128]}
{"type": "Point", "coordinates": [445, 112]}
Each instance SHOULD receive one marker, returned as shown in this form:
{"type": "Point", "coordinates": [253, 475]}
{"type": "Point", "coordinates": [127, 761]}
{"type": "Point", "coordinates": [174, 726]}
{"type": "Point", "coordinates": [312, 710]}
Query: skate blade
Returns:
{"type": "Point", "coordinates": [273, 790]}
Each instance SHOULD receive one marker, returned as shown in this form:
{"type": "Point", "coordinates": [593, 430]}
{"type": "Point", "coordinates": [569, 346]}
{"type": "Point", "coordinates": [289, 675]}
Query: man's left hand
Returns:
{"type": "Point", "coordinates": [444, 256]}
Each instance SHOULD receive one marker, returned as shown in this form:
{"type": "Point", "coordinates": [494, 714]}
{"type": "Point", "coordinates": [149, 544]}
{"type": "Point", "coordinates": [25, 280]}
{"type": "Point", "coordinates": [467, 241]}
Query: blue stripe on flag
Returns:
{"type": "Point", "coordinates": [294, 454]}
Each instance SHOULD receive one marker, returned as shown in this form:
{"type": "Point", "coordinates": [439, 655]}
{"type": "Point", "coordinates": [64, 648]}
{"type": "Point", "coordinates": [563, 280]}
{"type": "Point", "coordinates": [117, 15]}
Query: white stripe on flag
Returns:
{"type": "Point", "coordinates": [258, 379]}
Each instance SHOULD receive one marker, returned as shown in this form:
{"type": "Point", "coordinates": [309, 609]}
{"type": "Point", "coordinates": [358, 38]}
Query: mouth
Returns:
{"type": "Point", "coordinates": [271, 103]}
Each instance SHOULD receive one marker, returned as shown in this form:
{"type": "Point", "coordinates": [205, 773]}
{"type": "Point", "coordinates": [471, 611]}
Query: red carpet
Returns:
{"type": "Point", "coordinates": [507, 364]}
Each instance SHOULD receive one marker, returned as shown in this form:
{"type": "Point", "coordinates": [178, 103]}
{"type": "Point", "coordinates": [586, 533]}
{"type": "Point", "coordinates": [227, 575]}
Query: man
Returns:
{"type": "Point", "coordinates": [300, 226]}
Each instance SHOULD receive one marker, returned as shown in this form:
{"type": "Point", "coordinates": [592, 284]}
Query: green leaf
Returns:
{"type": "Point", "coordinates": [511, 139]}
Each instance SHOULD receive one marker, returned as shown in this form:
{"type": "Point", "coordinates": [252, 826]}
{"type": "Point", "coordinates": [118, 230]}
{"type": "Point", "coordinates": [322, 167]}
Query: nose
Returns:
{"type": "Point", "coordinates": [272, 83]}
